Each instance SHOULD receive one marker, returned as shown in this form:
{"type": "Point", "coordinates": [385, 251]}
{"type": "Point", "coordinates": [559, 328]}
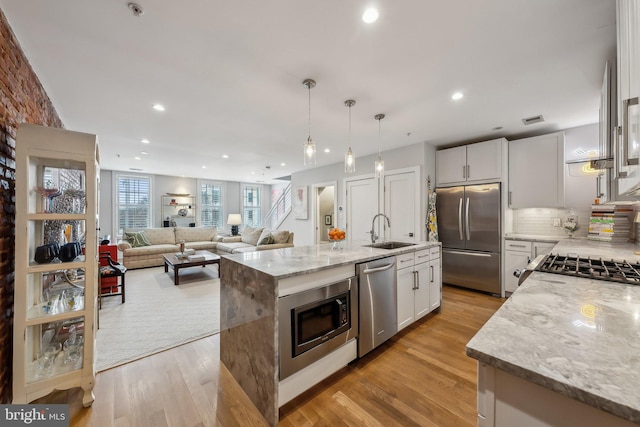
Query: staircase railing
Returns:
{"type": "Point", "coordinates": [279, 210]}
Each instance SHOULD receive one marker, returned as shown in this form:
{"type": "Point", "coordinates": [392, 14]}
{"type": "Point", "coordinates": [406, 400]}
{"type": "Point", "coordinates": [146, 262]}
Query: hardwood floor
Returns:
{"type": "Point", "coordinates": [419, 377]}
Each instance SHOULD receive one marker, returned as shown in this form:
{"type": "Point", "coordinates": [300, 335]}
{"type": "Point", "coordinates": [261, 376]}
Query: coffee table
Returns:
{"type": "Point", "coordinates": [170, 260]}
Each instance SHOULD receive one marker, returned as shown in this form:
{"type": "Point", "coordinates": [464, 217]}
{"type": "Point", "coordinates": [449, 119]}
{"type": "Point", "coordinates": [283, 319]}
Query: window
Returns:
{"type": "Point", "coordinates": [134, 202]}
{"type": "Point", "coordinates": [251, 212]}
{"type": "Point", "coordinates": [211, 214]}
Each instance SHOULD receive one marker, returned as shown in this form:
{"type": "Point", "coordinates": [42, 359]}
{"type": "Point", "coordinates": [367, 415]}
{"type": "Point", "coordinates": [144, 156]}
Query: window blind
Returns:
{"type": "Point", "coordinates": [251, 211]}
{"type": "Point", "coordinates": [211, 201]}
{"type": "Point", "coordinates": [134, 202]}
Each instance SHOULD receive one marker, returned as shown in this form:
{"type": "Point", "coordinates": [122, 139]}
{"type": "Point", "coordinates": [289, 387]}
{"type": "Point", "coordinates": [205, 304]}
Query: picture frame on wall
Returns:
{"type": "Point", "coordinates": [300, 203]}
{"type": "Point", "coordinates": [327, 220]}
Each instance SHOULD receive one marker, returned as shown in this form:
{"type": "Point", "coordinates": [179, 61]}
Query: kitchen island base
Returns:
{"type": "Point", "coordinates": [505, 400]}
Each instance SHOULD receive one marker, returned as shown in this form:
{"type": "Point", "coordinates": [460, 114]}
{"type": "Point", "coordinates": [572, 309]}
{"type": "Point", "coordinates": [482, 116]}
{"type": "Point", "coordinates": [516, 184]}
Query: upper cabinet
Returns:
{"type": "Point", "coordinates": [536, 172]}
{"type": "Point", "coordinates": [627, 145]}
{"type": "Point", "coordinates": [480, 162]}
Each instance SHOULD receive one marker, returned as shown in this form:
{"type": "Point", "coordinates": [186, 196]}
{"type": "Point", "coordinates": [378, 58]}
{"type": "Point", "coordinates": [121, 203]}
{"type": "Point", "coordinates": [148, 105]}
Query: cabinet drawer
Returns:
{"type": "Point", "coordinates": [404, 260]}
{"type": "Point", "coordinates": [422, 256]}
{"type": "Point", "coordinates": [517, 245]}
{"type": "Point", "coordinates": [434, 252]}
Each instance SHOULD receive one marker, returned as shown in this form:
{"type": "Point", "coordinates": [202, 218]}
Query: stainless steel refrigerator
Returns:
{"type": "Point", "coordinates": [469, 229]}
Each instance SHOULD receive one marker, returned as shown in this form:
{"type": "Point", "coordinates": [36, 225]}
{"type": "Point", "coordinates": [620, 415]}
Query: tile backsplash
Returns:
{"type": "Point", "coordinates": [539, 221]}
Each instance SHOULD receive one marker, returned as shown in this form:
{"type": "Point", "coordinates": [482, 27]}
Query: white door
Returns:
{"type": "Point", "coordinates": [362, 205]}
{"type": "Point", "coordinates": [402, 206]}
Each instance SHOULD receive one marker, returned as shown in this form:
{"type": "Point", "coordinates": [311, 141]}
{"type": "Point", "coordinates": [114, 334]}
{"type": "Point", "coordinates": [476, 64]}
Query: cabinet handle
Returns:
{"type": "Point", "coordinates": [468, 171]}
{"type": "Point", "coordinates": [423, 256]}
{"type": "Point", "coordinates": [617, 136]}
{"type": "Point", "coordinates": [509, 198]}
{"type": "Point", "coordinates": [464, 171]}
{"type": "Point", "coordinates": [626, 161]}
{"type": "Point", "coordinates": [518, 246]}
{"type": "Point", "coordinates": [405, 260]}
{"type": "Point", "coordinates": [415, 280]}
{"type": "Point", "coordinates": [431, 279]}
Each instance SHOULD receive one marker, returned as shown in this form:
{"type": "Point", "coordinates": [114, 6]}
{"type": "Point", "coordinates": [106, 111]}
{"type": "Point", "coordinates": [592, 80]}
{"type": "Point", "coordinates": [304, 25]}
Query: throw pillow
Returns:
{"type": "Point", "coordinates": [251, 235]}
{"type": "Point", "coordinates": [266, 238]}
{"type": "Point", "coordinates": [280, 237]}
{"type": "Point", "coordinates": [137, 239]}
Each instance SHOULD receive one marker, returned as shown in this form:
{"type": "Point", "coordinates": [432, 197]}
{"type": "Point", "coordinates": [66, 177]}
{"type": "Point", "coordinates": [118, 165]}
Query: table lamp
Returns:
{"type": "Point", "coordinates": [234, 221]}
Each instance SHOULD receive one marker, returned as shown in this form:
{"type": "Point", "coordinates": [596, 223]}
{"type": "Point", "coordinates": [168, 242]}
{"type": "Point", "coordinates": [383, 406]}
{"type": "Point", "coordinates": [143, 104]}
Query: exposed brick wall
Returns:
{"type": "Point", "coordinates": [22, 99]}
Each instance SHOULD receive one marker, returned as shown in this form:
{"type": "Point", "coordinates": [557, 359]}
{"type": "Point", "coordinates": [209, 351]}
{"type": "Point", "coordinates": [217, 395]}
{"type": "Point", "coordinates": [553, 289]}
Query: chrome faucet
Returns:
{"type": "Point", "coordinates": [374, 236]}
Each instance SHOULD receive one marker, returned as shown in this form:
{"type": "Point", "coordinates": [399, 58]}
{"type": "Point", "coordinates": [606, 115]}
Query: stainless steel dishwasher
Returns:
{"type": "Point", "coordinates": [378, 307]}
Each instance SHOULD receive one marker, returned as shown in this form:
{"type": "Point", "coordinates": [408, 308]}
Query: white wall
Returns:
{"type": "Point", "coordinates": [161, 185]}
{"type": "Point", "coordinates": [421, 154]}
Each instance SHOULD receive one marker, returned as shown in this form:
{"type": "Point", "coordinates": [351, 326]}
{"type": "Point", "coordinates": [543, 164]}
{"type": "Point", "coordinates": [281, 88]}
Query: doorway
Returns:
{"type": "Point", "coordinates": [324, 210]}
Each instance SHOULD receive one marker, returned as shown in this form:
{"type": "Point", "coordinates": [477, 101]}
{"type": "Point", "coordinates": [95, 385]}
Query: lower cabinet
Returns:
{"type": "Point", "coordinates": [419, 285]}
{"type": "Point", "coordinates": [519, 253]}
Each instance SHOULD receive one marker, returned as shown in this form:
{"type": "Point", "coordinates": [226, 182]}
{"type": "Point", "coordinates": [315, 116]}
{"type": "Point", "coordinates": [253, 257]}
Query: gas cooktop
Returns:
{"type": "Point", "coordinates": [612, 271]}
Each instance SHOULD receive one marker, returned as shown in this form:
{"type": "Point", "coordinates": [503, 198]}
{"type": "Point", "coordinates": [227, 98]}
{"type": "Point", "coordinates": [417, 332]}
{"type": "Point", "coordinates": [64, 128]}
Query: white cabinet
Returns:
{"type": "Point", "coordinates": [55, 288]}
{"type": "Point", "coordinates": [536, 172]}
{"type": "Point", "coordinates": [627, 145]}
{"type": "Point", "coordinates": [540, 248]}
{"type": "Point", "coordinates": [470, 163]}
{"type": "Point", "coordinates": [517, 254]}
{"type": "Point", "coordinates": [419, 285]}
{"type": "Point", "coordinates": [435, 279]}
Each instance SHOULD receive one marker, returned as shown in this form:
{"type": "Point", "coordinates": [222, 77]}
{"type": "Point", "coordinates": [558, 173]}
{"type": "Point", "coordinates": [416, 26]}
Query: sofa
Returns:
{"type": "Point", "coordinates": [255, 239]}
{"type": "Point", "coordinates": [145, 247]}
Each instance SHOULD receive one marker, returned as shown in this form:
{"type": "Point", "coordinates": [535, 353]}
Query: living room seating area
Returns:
{"type": "Point", "coordinates": [145, 247]}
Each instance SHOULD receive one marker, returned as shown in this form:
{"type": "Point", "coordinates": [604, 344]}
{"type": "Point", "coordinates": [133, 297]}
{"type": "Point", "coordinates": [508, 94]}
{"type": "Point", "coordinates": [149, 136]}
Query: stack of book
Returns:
{"type": "Point", "coordinates": [611, 222]}
{"type": "Point", "coordinates": [193, 258]}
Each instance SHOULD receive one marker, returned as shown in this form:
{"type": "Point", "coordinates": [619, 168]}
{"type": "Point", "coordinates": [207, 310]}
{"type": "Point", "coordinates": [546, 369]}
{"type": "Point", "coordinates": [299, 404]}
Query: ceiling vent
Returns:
{"type": "Point", "coordinates": [532, 120]}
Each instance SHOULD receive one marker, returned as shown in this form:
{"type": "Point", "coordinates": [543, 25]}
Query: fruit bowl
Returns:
{"type": "Point", "coordinates": [336, 235]}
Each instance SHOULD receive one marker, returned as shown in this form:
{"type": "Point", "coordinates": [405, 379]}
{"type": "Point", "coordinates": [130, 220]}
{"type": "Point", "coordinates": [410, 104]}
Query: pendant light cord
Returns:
{"type": "Point", "coordinates": [309, 87]}
{"type": "Point", "coordinates": [379, 138]}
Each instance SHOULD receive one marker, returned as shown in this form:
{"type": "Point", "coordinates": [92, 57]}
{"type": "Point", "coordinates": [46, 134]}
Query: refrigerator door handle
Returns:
{"type": "Point", "coordinates": [460, 218]}
{"type": "Point", "coordinates": [466, 217]}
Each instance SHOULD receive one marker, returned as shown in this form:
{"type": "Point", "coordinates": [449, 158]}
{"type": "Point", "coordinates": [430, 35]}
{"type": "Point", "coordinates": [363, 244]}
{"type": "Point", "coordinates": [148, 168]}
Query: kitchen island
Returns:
{"type": "Point", "coordinates": [563, 350]}
{"type": "Point", "coordinates": [250, 286]}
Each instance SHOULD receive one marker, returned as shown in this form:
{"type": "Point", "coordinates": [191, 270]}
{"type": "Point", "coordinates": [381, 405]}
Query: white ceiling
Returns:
{"type": "Point", "coordinates": [230, 75]}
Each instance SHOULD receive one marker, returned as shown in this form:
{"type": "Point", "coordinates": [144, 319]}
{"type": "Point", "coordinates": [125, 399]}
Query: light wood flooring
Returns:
{"type": "Point", "coordinates": [420, 377]}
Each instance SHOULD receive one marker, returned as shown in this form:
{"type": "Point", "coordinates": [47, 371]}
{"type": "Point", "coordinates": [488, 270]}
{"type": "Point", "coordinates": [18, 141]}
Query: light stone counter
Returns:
{"type": "Point", "coordinates": [249, 289]}
{"type": "Point", "coordinates": [288, 262]}
{"type": "Point", "coordinates": [533, 238]}
{"type": "Point", "coordinates": [578, 337]}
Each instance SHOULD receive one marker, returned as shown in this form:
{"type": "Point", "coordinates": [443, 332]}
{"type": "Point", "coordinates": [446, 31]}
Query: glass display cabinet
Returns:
{"type": "Point", "coordinates": [57, 184]}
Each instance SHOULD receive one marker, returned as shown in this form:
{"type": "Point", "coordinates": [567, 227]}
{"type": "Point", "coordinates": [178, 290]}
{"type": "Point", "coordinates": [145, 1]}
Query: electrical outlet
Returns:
{"type": "Point", "coordinates": [556, 222]}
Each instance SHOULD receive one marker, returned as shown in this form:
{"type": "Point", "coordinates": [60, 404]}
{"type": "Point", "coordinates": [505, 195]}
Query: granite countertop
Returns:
{"type": "Point", "coordinates": [576, 336]}
{"type": "Point", "coordinates": [287, 262]}
{"type": "Point", "coordinates": [533, 238]}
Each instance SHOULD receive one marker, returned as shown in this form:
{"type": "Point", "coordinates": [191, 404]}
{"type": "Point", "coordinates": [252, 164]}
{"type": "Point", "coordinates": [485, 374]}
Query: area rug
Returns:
{"type": "Point", "coordinates": [157, 315]}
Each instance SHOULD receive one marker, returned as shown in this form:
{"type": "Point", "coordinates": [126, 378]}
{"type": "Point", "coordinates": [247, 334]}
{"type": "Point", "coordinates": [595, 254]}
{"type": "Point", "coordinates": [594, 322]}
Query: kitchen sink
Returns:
{"type": "Point", "coordinates": [390, 245]}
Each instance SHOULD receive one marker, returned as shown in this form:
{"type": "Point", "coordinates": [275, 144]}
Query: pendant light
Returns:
{"type": "Point", "coordinates": [379, 164]}
{"type": "Point", "coordinates": [349, 157]}
{"type": "Point", "coordinates": [309, 146]}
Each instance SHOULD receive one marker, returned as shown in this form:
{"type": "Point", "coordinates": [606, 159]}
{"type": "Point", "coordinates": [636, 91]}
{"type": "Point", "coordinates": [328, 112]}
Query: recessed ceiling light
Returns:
{"type": "Point", "coordinates": [144, 153]}
{"type": "Point", "coordinates": [135, 169]}
{"type": "Point", "coordinates": [204, 167]}
{"type": "Point", "coordinates": [326, 150]}
{"type": "Point", "coordinates": [136, 158]}
{"type": "Point", "coordinates": [158, 107]}
{"type": "Point", "coordinates": [370, 15]}
{"type": "Point", "coordinates": [253, 173]}
{"type": "Point", "coordinates": [283, 164]}
{"type": "Point", "coordinates": [456, 96]}
{"type": "Point", "coordinates": [225, 156]}
{"type": "Point", "coordinates": [145, 141]}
